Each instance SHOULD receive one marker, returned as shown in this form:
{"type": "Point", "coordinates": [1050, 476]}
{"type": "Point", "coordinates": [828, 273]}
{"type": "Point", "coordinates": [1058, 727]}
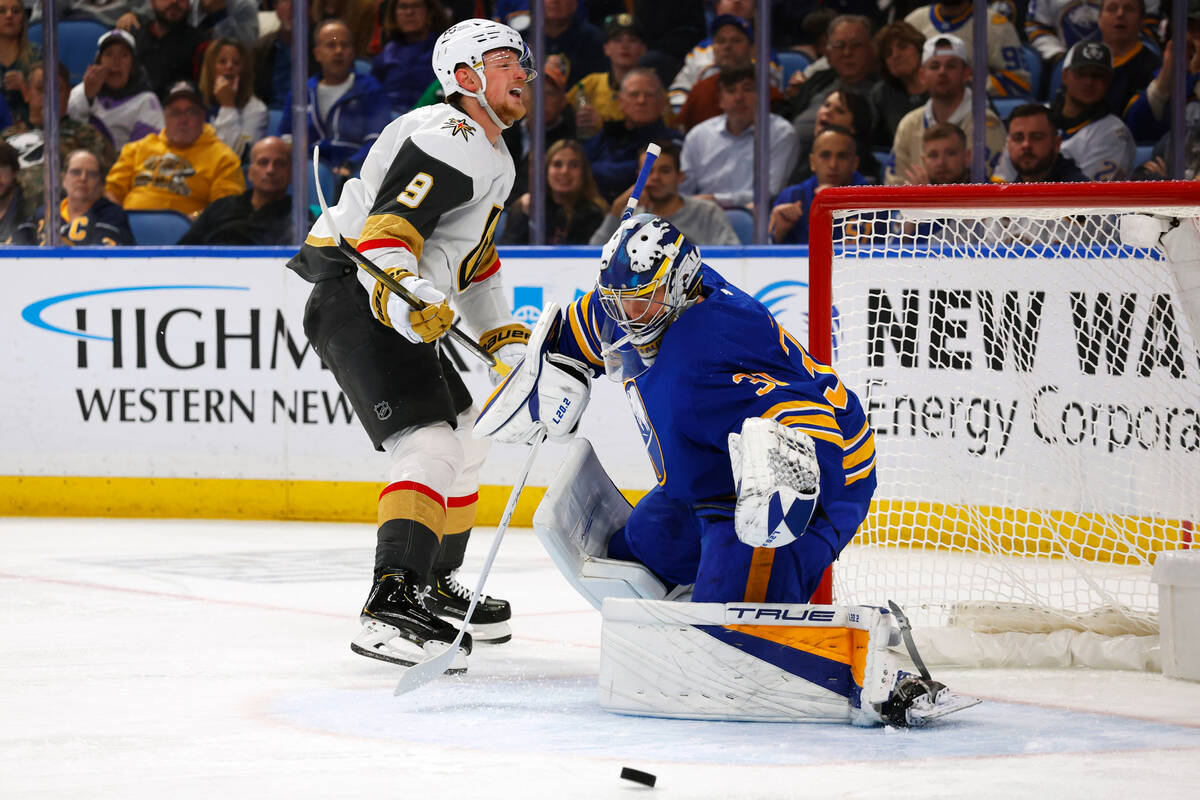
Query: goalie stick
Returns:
{"type": "Point", "coordinates": [420, 674]}
{"type": "Point", "coordinates": [652, 153]}
{"type": "Point", "coordinates": [391, 283]}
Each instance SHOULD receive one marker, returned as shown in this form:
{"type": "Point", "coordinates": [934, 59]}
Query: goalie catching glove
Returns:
{"type": "Point", "coordinates": [777, 478]}
{"type": "Point", "coordinates": [544, 392]}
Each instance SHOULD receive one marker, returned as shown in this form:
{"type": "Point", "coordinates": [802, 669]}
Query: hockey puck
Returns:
{"type": "Point", "coordinates": [637, 776]}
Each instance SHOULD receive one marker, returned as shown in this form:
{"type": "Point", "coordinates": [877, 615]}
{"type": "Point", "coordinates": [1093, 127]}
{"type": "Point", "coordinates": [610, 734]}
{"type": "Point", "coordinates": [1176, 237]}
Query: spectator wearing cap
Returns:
{"type": "Point", "coordinates": [115, 95]}
{"type": "Point", "coordinates": [167, 45]}
{"type": "Point", "coordinates": [1149, 114]}
{"type": "Point", "coordinates": [733, 46]}
{"type": "Point", "coordinates": [852, 65]}
{"type": "Point", "coordinates": [12, 200]}
{"type": "Point", "coordinates": [86, 216]}
{"type": "Point", "coordinates": [404, 66]}
{"type": "Point", "coordinates": [946, 70]}
{"type": "Point", "coordinates": [29, 140]}
{"type": "Point", "coordinates": [261, 215]}
{"type": "Point", "coordinates": [1096, 139]}
{"type": "Point", "coordinates": [718, 153]}
{"type": "Point", "coordinates": [1007, 75]}
{"type": "Point", "coordinates": [227, 86]}
{"type": "Point", "coordinates": [574, 37]}
{"type": "Point", "coordinates": [595, 96]}
{"type": "Point", "coordinates": [613, 152]}
{"type": "Point", "coordinates": [1034, 149]}
{"type": "Point", "coordinates": [1134, 63]}
{"type": "Point", "coordinates": [183, 167]}
{"type": "Point", "coordinates": [902, 86]}
{"type": "Point", "coordinates": [346, 111]}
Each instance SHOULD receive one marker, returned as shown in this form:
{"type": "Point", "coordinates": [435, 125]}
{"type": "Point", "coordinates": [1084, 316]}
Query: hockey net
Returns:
{"type": "Point", "coordinates": [1027, 356]}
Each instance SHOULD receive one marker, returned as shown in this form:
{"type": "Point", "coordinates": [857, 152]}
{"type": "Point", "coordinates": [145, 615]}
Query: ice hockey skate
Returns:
{"type": "Point", "coordinates": [449, 599]}
{"type": "Point", "coordinates": [399, 628]}
{"type": "Point", "coordinates": [917, 700]}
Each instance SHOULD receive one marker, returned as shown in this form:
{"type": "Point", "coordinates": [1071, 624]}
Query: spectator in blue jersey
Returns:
{"type": "Point", "coordinates": [346, 111]}
{"type": "Point", "coordinates": [1134, 61]}
{"type": "Point", "coordinates": [410, 27]}
{"type": "Point", "coordinates": [614, 151]}
{"type": "Point", "coordinates": [86, 216]}
{"type": "Point", "coordinates": [834, 161]}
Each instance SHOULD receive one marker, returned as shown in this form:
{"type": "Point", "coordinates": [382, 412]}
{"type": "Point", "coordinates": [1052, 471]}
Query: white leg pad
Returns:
{"type": "Point", "coordinates": [576, 518]}
{"type": "Point", "coordinates": [656, 659]}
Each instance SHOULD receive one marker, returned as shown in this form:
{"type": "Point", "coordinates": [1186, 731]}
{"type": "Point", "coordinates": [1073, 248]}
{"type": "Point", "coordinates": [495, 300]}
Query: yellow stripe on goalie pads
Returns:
{"type": "Point", "coordinates": [701, 660]}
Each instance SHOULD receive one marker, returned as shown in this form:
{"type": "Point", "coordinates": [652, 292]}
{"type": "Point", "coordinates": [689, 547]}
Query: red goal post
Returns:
{"type": "Point", "coordinates": [1002, 289]}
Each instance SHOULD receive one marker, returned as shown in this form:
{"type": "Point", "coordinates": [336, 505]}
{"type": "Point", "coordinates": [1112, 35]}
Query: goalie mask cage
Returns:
{"type": "Point", "coordinates": [1027, 356]}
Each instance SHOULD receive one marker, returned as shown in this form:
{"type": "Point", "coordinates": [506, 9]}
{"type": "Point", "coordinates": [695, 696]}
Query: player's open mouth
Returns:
{"type": "Point", "coordinates": [516, 92]}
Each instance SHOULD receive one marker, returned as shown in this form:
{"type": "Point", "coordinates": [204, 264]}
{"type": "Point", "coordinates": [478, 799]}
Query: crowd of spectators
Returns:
{"type": "Point", "coordinates": [186, 105]}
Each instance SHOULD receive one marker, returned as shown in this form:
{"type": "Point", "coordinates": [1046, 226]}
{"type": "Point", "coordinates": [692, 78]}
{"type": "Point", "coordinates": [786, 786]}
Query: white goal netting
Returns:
{"type": "Point", "coordinates": [1033, 382]}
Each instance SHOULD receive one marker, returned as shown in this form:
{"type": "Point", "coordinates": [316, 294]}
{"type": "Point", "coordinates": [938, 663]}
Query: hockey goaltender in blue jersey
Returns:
{"type": "Point", "coordinates": [720, 361]}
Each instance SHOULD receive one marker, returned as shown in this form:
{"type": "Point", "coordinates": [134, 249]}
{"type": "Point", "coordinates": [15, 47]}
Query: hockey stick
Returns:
{"type": "Point", "coordinates": [378, 274]}
{"type": "Point", "coordinates": [422, 673]}
{"type": "Point", "coordinates": [652, 153]}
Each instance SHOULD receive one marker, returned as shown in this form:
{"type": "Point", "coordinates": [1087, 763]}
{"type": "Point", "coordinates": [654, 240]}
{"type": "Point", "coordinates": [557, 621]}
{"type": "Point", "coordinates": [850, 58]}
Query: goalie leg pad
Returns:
{"type": "Point", "coordinates": [575, 520]}
{"type": "Point", "coordinates": [777, 477]}
{"type": "Point", "coordinates": [745, 661]}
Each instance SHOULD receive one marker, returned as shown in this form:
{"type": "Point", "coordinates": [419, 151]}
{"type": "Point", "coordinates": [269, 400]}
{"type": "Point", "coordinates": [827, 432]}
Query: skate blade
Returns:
{"type": "Point", "coordinates": [923, 710]}
{"type": "Point", "coordinates": [384, 642]}
{"type": "Point", "coordinates": [495, 633]}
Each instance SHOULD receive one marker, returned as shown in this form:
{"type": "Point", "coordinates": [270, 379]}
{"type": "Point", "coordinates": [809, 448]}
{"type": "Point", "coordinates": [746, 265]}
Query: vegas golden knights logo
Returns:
{"type": "Point", "coordinates": [457, 126]}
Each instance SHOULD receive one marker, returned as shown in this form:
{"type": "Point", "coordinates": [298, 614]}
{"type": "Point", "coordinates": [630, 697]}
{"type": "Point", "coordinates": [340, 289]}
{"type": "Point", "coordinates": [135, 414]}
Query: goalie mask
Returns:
{"type": "Point", "coordinates": [649, 273]}
{"type": "Point", "coordinates": [466, 43]}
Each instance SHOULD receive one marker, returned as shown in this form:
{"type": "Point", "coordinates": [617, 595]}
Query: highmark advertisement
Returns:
{"type": "Point", "coordinates": [197, 367]}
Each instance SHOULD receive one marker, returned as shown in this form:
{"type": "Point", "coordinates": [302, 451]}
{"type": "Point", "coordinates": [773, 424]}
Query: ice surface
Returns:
{"type": "Point", "coordinates": [150, 659]}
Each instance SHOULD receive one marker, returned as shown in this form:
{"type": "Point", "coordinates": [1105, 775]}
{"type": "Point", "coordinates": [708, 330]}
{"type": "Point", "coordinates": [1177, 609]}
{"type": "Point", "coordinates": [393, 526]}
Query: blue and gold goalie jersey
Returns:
{"type": "Point", "coordinates": [721, 361]}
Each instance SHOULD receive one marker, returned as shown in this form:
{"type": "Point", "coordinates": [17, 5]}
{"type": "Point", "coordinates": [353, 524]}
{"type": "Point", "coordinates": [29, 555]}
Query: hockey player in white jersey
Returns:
{"type": "Point", "coordinates": [1007, 75]}
{"type": "Point", "coordinates": [425, 211]}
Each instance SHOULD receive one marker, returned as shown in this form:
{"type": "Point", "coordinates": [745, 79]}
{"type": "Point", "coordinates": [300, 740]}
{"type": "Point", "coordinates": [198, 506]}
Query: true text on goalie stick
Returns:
{"type": "Point", "coordinates": [372, 269]}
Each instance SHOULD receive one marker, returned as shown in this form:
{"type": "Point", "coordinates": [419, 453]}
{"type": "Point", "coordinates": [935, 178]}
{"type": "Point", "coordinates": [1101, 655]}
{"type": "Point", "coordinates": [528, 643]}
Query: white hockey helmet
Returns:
{"type": "Point", "coordinates": [465, 43]}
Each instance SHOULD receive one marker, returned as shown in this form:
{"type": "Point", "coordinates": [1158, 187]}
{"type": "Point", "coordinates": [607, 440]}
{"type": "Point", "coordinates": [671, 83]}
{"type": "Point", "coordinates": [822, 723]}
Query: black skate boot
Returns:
{"type": "Point", "coordinates": [449, 599]}
{"type": "Point", "coordinates": [399, 628]}
{"type": "Point", "coordinates": [916, 700]}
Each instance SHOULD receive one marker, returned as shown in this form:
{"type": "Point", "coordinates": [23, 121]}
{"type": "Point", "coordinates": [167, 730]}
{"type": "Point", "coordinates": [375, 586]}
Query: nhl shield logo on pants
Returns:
{"type": "Point", "coordinates": [383, 410]}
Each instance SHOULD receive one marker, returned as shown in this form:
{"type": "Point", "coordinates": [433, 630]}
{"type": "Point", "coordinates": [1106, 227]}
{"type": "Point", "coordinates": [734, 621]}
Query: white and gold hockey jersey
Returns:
{"type": "Point", "coordinates": [1052, 26]}
{"type": "Point", "coordinates": [1103, 149]}
{"type": "Point", "coordinates": [432, 185]}
{"type": "Point", "coordinates": [1007, 75]}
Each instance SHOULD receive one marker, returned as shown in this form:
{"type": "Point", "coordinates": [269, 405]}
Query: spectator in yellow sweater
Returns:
{"type": "Point", "coordinates": [183, 167]}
